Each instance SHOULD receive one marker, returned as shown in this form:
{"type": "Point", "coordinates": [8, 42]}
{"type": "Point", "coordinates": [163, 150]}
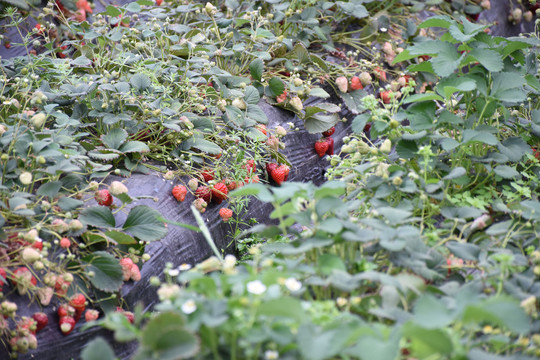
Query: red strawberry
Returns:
{"type": "Point", "coordinates": [91, 315]}
{"type": "Point", "coordinates": [3, 278]}
{"type": "Point", "coordinates": [281, 98]}
{"type": "Point", "coordinates": [158, 2]}
{"type": "Point", "coordinates": [66, 310]}
{"type": "Point", "coordinates": [38, 245]}
{"type": "Point", "coordinates": [231, 184]}
{"type": "Point", "coordinates": [128, 314]}
{"type": "Point", "coordinates": [321, 147]}
{"type": "Point", "coordinates": [270, 167]}
{"type": "Point", "coordinates": [204, 192]}
{"type": "Point", "coordinates": [385, 96]}
{"type": "Point", "coordinates": [41, 320]}
{"type": "Point", "coordinates": [280, 174]}
{"type": "Point", "coordinates": [225, 214]}
{"type": "Point", "coordinates": [179, 192]}
{"type": "Point", "coordinates": [78, 302]}
{"type": "Point", "coordinates": [330, 142]}
{"type": "Point", "coordinates": [261, 128]}
{"type": "Point", "coordinates": [104, 197]}
{"type": "Point", "coordinates": [367, 127]}
{"type": "Point", "coordinates": [65, 243]}
{"type": "Point", "coordinates": [207, 175]}
{"type": "Point", "coordinates": [329, 132]}
{"type": "Point", "coordinates": [219, 192]}
{"type": "Point", "coordinates": [67, 324]}
{"type": "Point", "coordinates": [356, 84]}
{"type": "Point", "coordinates": [379, 73]}
{"type": "Point", "coordinates": [250, 166]}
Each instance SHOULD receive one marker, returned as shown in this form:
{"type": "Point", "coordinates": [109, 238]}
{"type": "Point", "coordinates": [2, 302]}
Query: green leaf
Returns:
{"type": "Point", "coordinates": [318, 92]}
{"type": "Point", "coordinates": [500, 311]}
{"type": "Point", "coordinates": [112, 11]}
{"type": "Point", "coordinates": [206, 146]}
{"type": "Point", "coordinates": [446, 61]}
{"type": "Point", "coordinates": [98, 349]}
{"type": "Point", "coordinates": [251, 95]}
{"type": "Point", "coordinates": [82, 61]}
{"type": "Point", "coordinates": [140, 82]}
{"type": "Point", "coordinates": [98, 216]}
{"type": "Point", "coordinates": [133, 7]}
{"type": "Point", "coordinates": [464, 251]}
{"type": "Point", "coordinates": [489, 59]}
{"type": "Point", "coordinates": [120, 237]}
{"type": "Point", "coordinates": [427, 96]}
{"type": "Point", "coordinates": [284, 306]}
{"type": "Point", "coordinates": [441, 21]}
{"type": "Point", "coordinates": [353, 100]}
{"type": "Point", "coordinates": [456, 172]}
{"type": "Point", "coordinates": [276, 86]}
{"type": "Point", "coordinates": [134, 147]}
{"type": "Point", "coordinates": [114, 138]}
{"type": "Point", "coordinates": [327, 263]}
{"type": "Point", "coordinates": [431, 313]}
{"type": "Point", "coordinates": [354, 8]}
{"type": "Point", "coordinates": [254, 112]}
{"type": "Point", "coordinates": [106, 269]}
{"type": "Point", "coordinates": [359, 123]}
{"type": "Point", "coordinates": [470, 135]}
{"type": "Point", "coordinates": [427, 342]}
{"type": "Point", "coordinates": [256, 69]}
{"type": "Point", "coordinates": [165, 337]}
{"type": "Point", "coordinates": [506, 172]}
{"type": "Point", "coordinates": [68, 204]}
{"type": "Point", "coordinates": [49, 189]}
{"type": "Point", "coordinates": [319, 123]}
{"type": "Point", "coordinates": [301, 54]}
{"type": "Point", "coordinates": [144, 223]}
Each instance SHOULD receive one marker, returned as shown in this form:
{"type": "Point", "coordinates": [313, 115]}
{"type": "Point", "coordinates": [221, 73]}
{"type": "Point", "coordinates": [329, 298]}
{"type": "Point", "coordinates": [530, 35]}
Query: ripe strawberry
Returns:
{"type": "Point", "coordinates": [78, 302]}
{"type": "Point", "coordinates": [135, 273]}
{"type": "Point", "coordinates": [66, 310]}
{"type": "Point", "coordinates": [281, 98]}
{"type": "Point", "coordinates": [179, 192]}
{"type": "Point", "coordinates": [61, 286]}
{"type": "Point", "coordinates": [385, 96]}
{"type": "Point", "coordinates": [104, 197]}
{"type": "Point", "coordinates": [225, 214]}
{"type": "Point", "coordinates": [230, 183]}
{"type": "Point", "coordinates": [126, 264]}
{"type": "Point", "coordinates": [250, 166]}
{"type": "Point", "coordinates": [204, 192]}
{"type": "Point", "coordinates": [356, 84]}
{"type": "Point", "coordinates": [3, 277]}
{"type": "Point", "coordinates": [329, 132]}
{"type": "Point", "coordinates": [41, 320]}
{"type": "Point", "coordinates": [65, 243]}
{"type": "Point", "coordinates": [207, 175]}
{"type": "Point", "coordinates": [67, 324]}
{"type": "Point", "coordinates": [159, 2]}
{"type": "Point", "coordinates": [270, 167]}
{"type": "Point", "coordinates": [321, 147]}
{"type": "Point", "coordinates": [91, 315]}
{"type": "Point", "coordinates": [128, 314]}
{"type": "Point", "coordinates": [38, 245]}
{"type": "Point", "coordinates": [330, 142]}
{"type": "Point", "coordinates": [261, 128]}
{"type": "Point", "coordinates": [219, 192]}
{"type": "Point", "coordinates": [379, 73]}
{"type": "Point", "coordinates": [280, 174]}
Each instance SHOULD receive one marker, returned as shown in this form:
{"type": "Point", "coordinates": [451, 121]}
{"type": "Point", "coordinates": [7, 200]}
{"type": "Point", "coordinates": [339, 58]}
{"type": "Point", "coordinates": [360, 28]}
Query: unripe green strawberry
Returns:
{"type": "Point", "coordinates": [365, 78]}
{"type": "Point", "coordinates": [342, 84]}
{"type": "Point", "coordinates": [38, 120]}
{"type": "Point", "coordinates": [116, 188]}
{"type": "Point", "coordinates": [296, 103]}
{"type": "Point", "coordinates": [30, 255]}
{"type": "Point", "coordinates": [239, 103]}
{"type": "Point", "coordinates": [386, 146]}
{"type": "Point", "coordinates": [193, 184]}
